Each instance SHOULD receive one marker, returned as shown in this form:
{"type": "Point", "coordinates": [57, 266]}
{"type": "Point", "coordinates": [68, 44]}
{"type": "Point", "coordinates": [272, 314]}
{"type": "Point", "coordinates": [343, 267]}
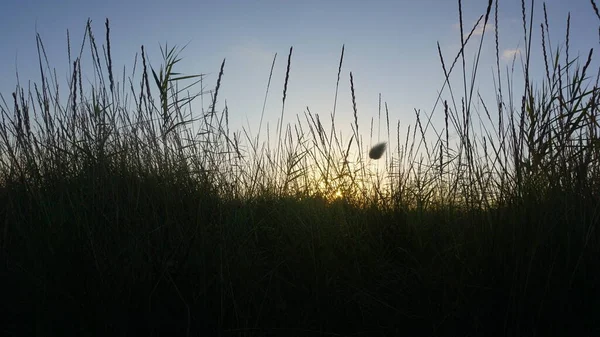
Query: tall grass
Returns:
{"type": "Point", "coordinates": [125, 211]}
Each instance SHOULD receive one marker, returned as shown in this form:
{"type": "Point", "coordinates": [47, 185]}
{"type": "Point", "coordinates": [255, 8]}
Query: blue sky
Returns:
{"type": "Point", "coordinates": [390, 48]}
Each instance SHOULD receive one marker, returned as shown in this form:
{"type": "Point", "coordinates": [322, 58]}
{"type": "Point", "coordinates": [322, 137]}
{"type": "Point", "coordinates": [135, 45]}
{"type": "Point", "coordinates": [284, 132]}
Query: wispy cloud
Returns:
{"type": "Point", "coordinates": [508, 54]}
{"type": "Point", "coordinates": [479, 30]}
{"type": "Point", "coordinates": [489, 28]}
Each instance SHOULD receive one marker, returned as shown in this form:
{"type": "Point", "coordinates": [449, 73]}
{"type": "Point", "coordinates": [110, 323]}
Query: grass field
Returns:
{"type": "Point", "coordinates": [125, 212]}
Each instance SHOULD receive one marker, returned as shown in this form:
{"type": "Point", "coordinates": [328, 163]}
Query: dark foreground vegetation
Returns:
{"type": "Point", "coordinates": [125, 212]}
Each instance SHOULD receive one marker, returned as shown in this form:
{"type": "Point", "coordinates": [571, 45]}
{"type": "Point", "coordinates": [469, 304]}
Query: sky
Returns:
{"type": "Point", "coordinates": [390, 48]}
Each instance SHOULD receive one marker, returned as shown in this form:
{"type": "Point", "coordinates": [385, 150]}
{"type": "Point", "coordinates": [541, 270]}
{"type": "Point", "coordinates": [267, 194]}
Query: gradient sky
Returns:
{"type": "Point", "coordinates": [390, 48]}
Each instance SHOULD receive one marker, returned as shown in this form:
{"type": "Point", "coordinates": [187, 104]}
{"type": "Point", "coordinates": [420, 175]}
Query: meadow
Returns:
{"type": "Point", "coordinates": [125, 212]}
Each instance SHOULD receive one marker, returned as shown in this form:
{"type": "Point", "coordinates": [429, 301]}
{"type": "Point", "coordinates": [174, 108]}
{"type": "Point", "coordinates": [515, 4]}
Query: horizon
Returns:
{"type": "Point", "coordinates": [373, 46]}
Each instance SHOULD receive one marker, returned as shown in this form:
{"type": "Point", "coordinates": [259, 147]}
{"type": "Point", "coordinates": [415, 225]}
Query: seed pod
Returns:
{"type": "Point", "coordinates": [377, 151]}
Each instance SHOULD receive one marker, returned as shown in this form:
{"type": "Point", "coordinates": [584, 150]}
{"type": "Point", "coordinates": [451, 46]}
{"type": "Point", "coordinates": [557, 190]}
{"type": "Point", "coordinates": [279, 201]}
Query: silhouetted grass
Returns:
{"type": "Point", "coordinates": [125, 212]}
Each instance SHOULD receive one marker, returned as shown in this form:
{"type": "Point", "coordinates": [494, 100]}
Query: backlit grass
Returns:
{"type": "Point", "coordinates": [124, 211]}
